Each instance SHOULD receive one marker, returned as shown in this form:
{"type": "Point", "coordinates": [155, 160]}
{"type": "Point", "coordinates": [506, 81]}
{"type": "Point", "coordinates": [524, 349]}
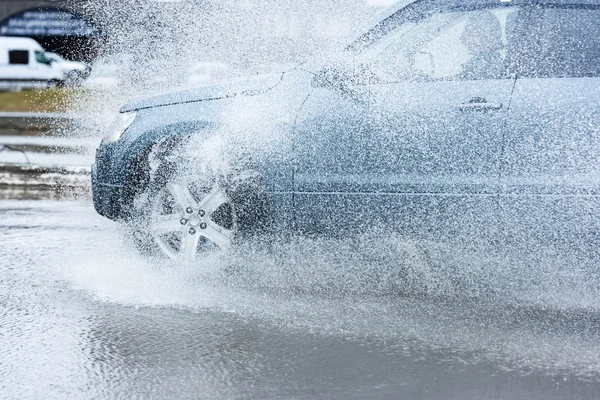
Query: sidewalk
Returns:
{"type": "Point", "coordinates": [31, 159]}
{"type": "Point", "coordinates": [28, 123]}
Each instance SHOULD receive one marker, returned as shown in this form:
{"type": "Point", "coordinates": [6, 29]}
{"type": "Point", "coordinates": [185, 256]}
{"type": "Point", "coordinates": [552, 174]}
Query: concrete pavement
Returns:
{"type": "Point", "coordinates": [34, 155]}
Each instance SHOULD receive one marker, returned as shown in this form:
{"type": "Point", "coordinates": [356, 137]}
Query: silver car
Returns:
{"type": "Point", "coordinates": [473, 123]}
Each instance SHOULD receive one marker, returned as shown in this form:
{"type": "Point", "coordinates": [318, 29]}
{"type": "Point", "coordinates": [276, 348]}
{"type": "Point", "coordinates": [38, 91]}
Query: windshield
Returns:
{"type": "Point", "coordinates": [41, 58]}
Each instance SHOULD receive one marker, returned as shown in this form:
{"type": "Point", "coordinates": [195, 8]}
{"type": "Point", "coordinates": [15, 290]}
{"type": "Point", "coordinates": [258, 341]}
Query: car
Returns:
{"type": "Point", "coordinates": [74, 71]}
{"type": "Point", "coordinates": [25, 65]}
{"type": "Point", "coordinates": [474, 124]}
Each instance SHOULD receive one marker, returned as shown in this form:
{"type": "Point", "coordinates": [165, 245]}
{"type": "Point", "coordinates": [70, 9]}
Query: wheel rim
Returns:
{"type": "Point", "coordinates": [191, 219]}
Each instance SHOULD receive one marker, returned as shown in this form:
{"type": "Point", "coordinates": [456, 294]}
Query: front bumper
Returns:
{"type": "Point", "coordinates": [106, 197]}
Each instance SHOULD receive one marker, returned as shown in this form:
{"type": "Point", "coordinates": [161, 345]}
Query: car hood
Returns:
{"type": "Point", "coordinates": [71, 65]}
{"type": "Point", "coordinates": [249, 86]}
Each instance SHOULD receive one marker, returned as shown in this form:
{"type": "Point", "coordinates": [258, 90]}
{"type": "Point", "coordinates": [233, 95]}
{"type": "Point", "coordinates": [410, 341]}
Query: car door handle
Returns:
{"type": "Point", "coordinates": [479, 104]}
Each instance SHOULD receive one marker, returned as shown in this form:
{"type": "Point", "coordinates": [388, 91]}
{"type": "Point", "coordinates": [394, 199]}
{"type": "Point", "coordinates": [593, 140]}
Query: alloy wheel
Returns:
{"type": "Point", "coordinates": [189, 219]}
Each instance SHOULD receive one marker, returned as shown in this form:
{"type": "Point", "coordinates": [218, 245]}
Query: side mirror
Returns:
{"type": "Point", "coordinates": [424, 63]}
{"type": "Point", "coordinates": [340, 78]}
{"type": "Point", "coordinates": [330, 76]}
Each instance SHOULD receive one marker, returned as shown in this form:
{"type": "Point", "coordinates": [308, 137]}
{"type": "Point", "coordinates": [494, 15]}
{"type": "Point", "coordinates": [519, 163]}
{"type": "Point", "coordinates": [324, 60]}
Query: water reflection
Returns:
{"type": "Point", "coordinates": [78, 321]}
{"type": "Point", "coordinates": [27, 192]}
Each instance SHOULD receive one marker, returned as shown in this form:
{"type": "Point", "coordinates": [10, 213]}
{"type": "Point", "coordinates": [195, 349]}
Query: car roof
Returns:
{"type": "Point", "coordinates": [401, 4]}
{"type": "Point", "coordinates": [470, 3]}
{"type": "Point", "coordinates": [381, 18]}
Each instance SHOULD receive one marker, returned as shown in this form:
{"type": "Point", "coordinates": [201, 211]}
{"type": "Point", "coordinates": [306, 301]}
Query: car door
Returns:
{"type": "Point", "coordinates": [328, 127]}
{"type": "Point", "coordinates": [426, 157]}
{"type": "Point", "coordinates": [552, 160]}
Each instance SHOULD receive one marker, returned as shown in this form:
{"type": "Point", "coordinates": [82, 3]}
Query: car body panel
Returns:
{"type": "Point", "coordinates": [368, 150]}
{"type": "Point", "coordinates": [245, 87]}
{"type": "Point", "coordinates": [551, 164]}
{"type": "Point", "coordinates": [270, 152]}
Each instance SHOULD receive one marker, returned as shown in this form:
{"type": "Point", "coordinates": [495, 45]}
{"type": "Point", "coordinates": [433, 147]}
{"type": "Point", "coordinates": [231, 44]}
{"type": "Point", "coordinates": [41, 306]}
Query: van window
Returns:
{"type": "Point", "coordinates": [41, 57]}
{"type": "Point", "coordinates": [18, 57]}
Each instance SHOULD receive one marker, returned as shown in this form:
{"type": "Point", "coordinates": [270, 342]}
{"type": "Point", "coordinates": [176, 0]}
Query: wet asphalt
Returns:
{"type": "Point", "coordinates": [83, 316]}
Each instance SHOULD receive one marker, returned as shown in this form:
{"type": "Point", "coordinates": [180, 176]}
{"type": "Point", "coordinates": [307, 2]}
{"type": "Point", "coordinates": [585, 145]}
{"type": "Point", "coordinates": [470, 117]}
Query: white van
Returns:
{"type": "Point", "coordinates": [24, 65]}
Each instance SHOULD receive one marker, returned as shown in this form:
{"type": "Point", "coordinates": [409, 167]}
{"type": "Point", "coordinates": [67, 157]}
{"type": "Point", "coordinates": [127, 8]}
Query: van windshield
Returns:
{"type": "Point", "coordinates": [40, 57]}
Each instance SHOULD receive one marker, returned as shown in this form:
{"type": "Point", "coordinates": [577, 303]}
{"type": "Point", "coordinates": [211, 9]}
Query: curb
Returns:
{"type": "Point", "coordinates": [24, 122]}
{"type": "Point", "coordinates": [56, 178]}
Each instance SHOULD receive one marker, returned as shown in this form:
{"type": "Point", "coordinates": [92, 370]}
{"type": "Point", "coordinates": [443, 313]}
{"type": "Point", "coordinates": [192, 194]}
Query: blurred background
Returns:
{"type": "Point", "coordinates": [170, 43]}
{"type": "Point", "coordinates": [66, 66]}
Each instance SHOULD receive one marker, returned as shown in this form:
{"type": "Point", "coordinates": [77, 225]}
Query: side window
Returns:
{"type": "Point", "coordinates": [467, 45]}
{"type": "Point", "coordinates": [41, 58]}
{"type": "Point", "coordinates": [565, 43]}
{"type": "Point", "coordinates": [18, 57]}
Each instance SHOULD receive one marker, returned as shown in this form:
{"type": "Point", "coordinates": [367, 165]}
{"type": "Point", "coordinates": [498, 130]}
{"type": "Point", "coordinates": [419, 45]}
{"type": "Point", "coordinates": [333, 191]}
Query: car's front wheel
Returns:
{"type": "Point", "coordinates": [184, 217]}
{"type": "Point", "coordinates": [188, 218]}
{"type": "Point", "coordinates": [74, 78]}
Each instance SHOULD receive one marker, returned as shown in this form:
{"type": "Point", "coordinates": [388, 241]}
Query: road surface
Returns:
{"type": "Point", "coordinates": [82, 316]}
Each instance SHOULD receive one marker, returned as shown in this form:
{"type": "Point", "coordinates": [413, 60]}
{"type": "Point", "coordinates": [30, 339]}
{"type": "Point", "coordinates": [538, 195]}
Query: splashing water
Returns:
{"type": "Point", "coordinates": [444, 295]}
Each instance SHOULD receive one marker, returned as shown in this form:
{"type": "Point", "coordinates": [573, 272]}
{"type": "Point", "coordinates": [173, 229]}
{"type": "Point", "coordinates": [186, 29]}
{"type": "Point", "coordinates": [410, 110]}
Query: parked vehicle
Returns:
{"type": "Point", "coordinates": [475, 123]}
{"type": "Point", "coordinates": [25, 65]}
{"type": "Point", "coordinates": [74, 71]}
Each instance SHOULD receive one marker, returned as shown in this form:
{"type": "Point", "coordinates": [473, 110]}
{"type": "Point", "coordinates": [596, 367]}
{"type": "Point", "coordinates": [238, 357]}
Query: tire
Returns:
{"type": "Point", "coordinates": [74, 79]}
{"type": "Point", "coordinates": [182, 217]}
{"type": "Point", "coordinates": [56, 83]}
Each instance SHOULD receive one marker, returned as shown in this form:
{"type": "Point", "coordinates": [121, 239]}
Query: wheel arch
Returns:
{"type": "Point", "coordinates": [165, 138]}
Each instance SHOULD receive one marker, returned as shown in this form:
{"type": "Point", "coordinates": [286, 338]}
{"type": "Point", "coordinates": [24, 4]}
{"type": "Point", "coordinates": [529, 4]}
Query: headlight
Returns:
{"type": "Point", "coordinates": [120, 126]}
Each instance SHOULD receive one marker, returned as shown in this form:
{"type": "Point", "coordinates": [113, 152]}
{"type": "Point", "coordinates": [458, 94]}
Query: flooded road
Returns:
{"type": "Point", "coordinates": [83, 316]}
